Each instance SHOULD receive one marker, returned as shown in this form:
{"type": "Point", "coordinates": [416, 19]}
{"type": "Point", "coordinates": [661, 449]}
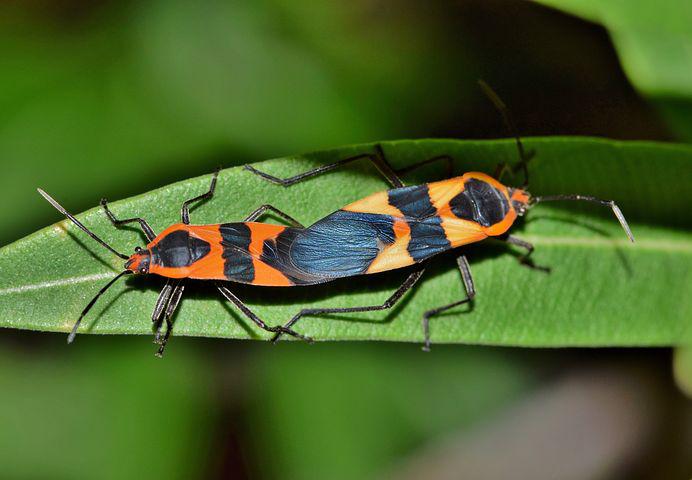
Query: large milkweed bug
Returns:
{"type": "Point", "coordinates": [208, 252]}
{"type": "Point", "coordinates": [388, 230]}
{"type": "Point", "coordinates": [407, 225]}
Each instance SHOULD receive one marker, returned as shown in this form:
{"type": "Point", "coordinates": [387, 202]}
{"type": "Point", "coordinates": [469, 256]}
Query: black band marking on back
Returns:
{"type": "Point", "coordinates": [236, 239]}
{"type": "Point", "coordinates": [428, 238]}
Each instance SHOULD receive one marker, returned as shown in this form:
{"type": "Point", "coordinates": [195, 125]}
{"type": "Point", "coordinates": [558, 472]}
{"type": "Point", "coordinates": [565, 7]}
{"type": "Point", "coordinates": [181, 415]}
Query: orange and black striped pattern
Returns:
{"type": "Point", "coordinates": [384, 231]}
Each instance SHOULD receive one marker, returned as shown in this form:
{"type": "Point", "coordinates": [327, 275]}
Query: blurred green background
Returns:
{"type": "Point", "coordinates": [109, 99]}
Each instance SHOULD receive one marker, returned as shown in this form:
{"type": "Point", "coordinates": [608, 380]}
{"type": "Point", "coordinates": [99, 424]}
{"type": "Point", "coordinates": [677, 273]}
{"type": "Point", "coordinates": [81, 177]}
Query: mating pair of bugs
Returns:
{"type": "Point", "coordinates": [401, 227]}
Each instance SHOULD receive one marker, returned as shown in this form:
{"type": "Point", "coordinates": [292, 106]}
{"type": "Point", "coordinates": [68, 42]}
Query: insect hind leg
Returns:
{"type": "Point", "coordinates": [467, 280]}
{"type": "Point", "coordinates": [448, 159]}
{"type": "Point", "coordinates": [392, 175]}
{"type": "Point", "coordinates": [410, 281]}
{"type": "Point", "coordinates": [231, 297]}
{"type": "Point", "coordinates": [185, 209]}
{"type": "Point", "coordinates": [378, 159]}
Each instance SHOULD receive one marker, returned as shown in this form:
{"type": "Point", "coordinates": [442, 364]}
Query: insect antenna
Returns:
{"type": "Point", "coordinates": [511, 127]}
{"type": "Point", "coordinates": [62, 210]}
{"type": "Point", "coordinates": [576, 197]}
{"type": "Point", "coordinates": [70, 337]}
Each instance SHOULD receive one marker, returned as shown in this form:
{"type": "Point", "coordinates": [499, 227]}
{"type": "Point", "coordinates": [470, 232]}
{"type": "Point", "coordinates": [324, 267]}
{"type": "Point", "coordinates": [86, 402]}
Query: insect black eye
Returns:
{"type": "Point", "coordinates": [142, 270]}
{"type": "Point", "coordinates": [138, 249]}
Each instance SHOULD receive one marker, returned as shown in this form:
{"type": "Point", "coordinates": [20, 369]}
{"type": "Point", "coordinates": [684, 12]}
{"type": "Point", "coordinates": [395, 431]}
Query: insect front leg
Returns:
{"type": "Point", "coordinates": [148, 232]}
{"type": "Point", "coordinates": [467, 279]}
{"type": "Point", "coordinates": [510, 126]}
{"type": "Point", "coordinates": [524, 259]}
{"type": "Point", "coordinates": [185, 209]}
{"type": "Point", "coordinates": [503, 168]}
{"type": "Point", "coordinates": [389, 303]}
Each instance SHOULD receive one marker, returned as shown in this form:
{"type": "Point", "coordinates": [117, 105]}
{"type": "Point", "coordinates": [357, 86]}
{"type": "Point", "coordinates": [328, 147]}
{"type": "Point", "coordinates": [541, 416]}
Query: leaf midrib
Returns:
{"type": "Point", "coordinates": [542, 240]}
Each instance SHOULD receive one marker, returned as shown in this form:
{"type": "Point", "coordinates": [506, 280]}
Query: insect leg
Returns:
{"type": "Point", "coordinates": [389, 303]}
{"type": "Point", "coordinates": [445, 158]}
{"type": "Point", "coordinates": [378, 159]}
{"type": "Point", "coordinates": [467, 279]}
{"type": "Point", "coordinates": [185, 209]}
{"type": "Point", "coordinates": [504, 167]}
{"type": "Point", "coordinates": [262, 209]}
{"type": "Point", "coordinates": [231, 297]}
{"type": "Point", "coordinates": [511, 127]}
{"type": "Point", "coordinates": [160, 306]}
{"type": "Point", "coordinates": [173, 303]}
{"type": "Point", "coordinates": [500, 170]}
{"type": "Point", "coordinates": [524, 259]}
{"type": "Point", "coordinates": [148, 232]}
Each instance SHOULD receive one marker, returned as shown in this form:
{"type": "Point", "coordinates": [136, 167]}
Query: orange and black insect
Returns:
{"type": "Point", "coordinates": [388, 230]}
{"type": "Point", "coordinates": [221, 252]}
{"type": "Point", "coordinates": [405, 227]}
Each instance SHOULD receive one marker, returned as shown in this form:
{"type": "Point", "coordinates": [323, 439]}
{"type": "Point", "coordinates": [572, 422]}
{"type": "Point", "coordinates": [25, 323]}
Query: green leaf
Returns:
{"type": "Point", "coordinates": [602, 289]}
{"type": "Point", "coordinates": [652, 38]}
{"type": "Point", "coordinates": [654, 43]}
